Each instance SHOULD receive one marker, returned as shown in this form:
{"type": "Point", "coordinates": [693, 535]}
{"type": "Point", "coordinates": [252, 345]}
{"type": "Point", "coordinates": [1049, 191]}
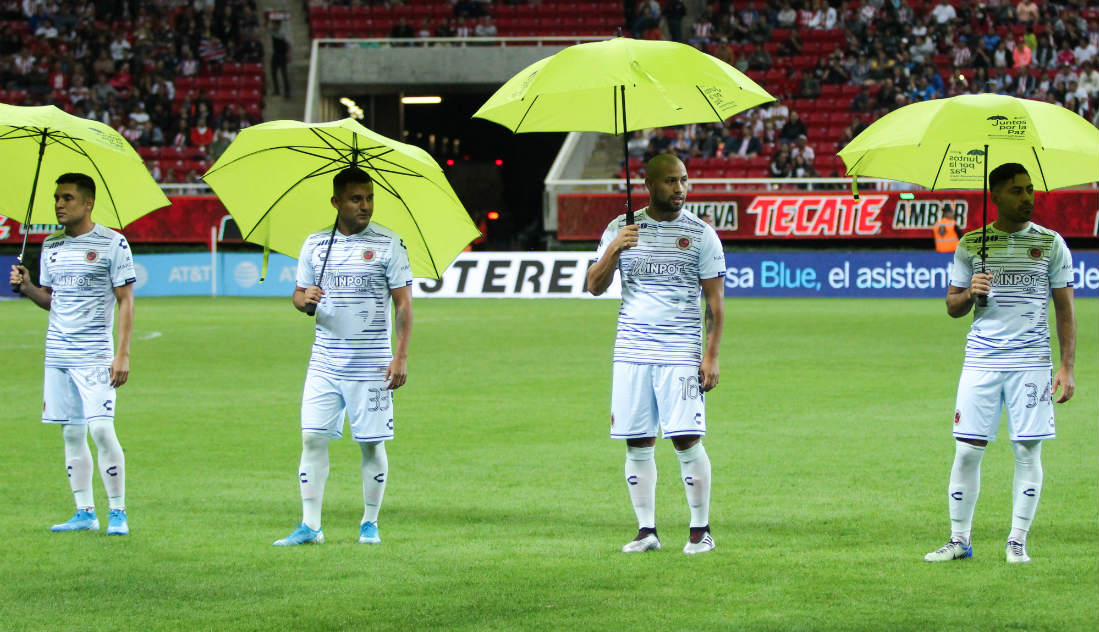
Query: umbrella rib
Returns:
{"type": "Point", "coordinates": [707, 100]}
{"type": "Point", "coordinates": [106, 186]}
{"type": "Point", "coordinates": [393, 191]}
{"type": "Point", "coordinates": [940, 170]}
{"type": "Point", "coordinates": [520, 123]}
{"type": "Point", "coordinates": [315, 172]}
{"type": "Point", "coordinates": [1040, 171]}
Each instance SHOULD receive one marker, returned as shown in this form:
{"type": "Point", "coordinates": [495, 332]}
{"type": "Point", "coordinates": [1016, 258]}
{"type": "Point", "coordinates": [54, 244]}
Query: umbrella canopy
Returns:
{"type": "Point", "coordinates": [39, 143]}
{"type": "Point", "coordinates": [276, 181]}
{"type": "Point", "coordinates": [582, 88]}
{"type": "Point", "coordinates": [941, 144]}
{"type": "Point", "coordinates": [621, 85]}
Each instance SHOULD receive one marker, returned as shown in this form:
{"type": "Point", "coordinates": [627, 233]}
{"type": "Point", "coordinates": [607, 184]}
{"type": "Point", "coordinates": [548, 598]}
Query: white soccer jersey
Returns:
{"type": "Point", "coordinates": [83, 272]}
{"type": "Point", "coordinates": [353, 327]}
{"type": "Point", "coordinates": [1012, 333]}
{"type": "Point", "coordinates": [660, 320]}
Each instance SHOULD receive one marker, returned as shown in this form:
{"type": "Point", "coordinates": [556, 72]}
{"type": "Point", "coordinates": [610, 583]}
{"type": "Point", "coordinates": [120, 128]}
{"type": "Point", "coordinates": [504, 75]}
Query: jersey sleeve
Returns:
{"type": "Point", "coordinates": [711, 258]}
{"type": "Point", "coordinates": [608, 236]}
{"type": "Point", "coordinates": [1060, 264]}
{"type": "Point", "coordinates": [45, 275]}
{"type": "Point", "coordinates": [306, 276]}
{"type": "Point", "coordinates": [398, 272]}
{"type": "Point", "coordinates": [961, 273]}
{"type": "Point", "coordinates": [122, 263]}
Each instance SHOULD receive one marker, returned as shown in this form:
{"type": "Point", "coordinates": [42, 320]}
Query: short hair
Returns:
{"type": "Point", "coordinates": [351, 175]}
{"type": "Point", "coordinates": [1005, 173]}
{"type": "Point", "coordinates": [83, 183]}
{"type": "Point", "coordinates": [659, 162]}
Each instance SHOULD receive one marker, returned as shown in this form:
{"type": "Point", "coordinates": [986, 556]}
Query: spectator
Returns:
{"type": "Point", "coordinates": [793, 128]}
{"type": "Point", "coordinates": [280, 56]}
{"type": "Point", "coordinates": [760, 59]}
{"type": "Point", "coordinates": [801, 167]}
{"type": "Point", "coordinates": [1001, 56]}
{"type": "Point", "coordinates": [1089, 80]}
{"type": "Point", "coordinates": [786, 17]}
{"type": "Point", "coordinates": [635, 147]}
{"type": "Point", "coordinates": [823, 16]}
{"type": "Point", "coordinates": [485, 27]}
{"type": "Point", "coordinates": [703, 31]}
{"type": "Point", "coordinates": [138, 113]}
{"type": "Point", "coordinates": [944, 12]}
{"type": "Point", "coordinates": [791, 46]}
{"type": "Point", "coordinates": [1026, 12]}
{"type": "Point", "coordinates": [862, 102]}
{"type": "Point", "coordinates": [647, 17]}
{"type": "Point", "coordinates": [201, 135]}
{"type": "Point", "coordinates": [802, 149]}
{"type": "Point", "coordinates": [1021, 55]}
{"type": "Point", "coordinates": [922, 49]}
{"type": "Point", "coordinates": [746, 146]}
{"type": "Point", "coordinates": [445, 28]}
{"type": "Point", "coordinates": [120, 47]}
{"type": "Point", "coordinates": [809, 84]}
{"type": "Point", "coordinates": [780, 163]}
{"type": "Point", "coordinates": [674, 12]}
{"type": "Point", "coordinates": [151, 135]}
{"type": "Point", "coordinates": [424, 31]}
{"type": "Point", "coordinates": [46, 30]}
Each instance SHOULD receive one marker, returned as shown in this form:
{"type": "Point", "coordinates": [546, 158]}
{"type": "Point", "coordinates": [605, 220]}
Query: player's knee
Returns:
{"type": "Point", "coordinates": [73, 433]}
{"type": "Point", "coordinates": [685, 442]}
{"type": "Point", "coordinates": [314, 442]}
{"type": "Point", "coordinates": [643, 442]}
{"type": "Point", "coordinates": [1027, 452]}
{"type": "Point", "coordinates": [640, 453]}
{"type": "Point", "coordinates": [103, 434]}
{"type": "Point", "coordinates": [980, 443]}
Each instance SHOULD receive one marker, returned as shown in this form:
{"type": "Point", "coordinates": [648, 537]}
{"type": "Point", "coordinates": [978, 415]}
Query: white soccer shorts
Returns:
{"type": "Point", "coordinates": [367, 403]}
{"type": "Point", "coordinates": [77, 395]}
{"type": "Point", "coordinates": [645, 397]}
{"type": "Point", "coordinates": [982, 395]}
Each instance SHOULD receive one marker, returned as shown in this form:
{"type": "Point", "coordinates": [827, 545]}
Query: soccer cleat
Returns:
{"type": "Point", "coordinates": [699, 542]}
{"type": "Point", "coordinates": [302, 535]}
{"type": "Point", "coordinates": [81, 521]}
{"type": "Point", "coordinates": [1016, 552]}
{"type": "Point", "coordinates": [116, 523]}
{"type": "Point", "coordinates": [368, 533]}
{"type": "Point", "coordinates": [952, 550]}
{"type": "Point", "coordinates": [646, 540]}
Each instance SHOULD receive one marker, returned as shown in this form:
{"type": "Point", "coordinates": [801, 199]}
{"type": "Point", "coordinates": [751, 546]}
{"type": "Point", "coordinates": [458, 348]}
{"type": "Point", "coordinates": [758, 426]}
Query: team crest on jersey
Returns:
{"type": "Point", "coordinates": [683, 243]}
{"type": "Point", "coordinates": [957, 417]}
{"type": "Point", "coordinates": [91, 255]}
{"type": "Point", "coordinates": [1035, 253]}
{"type": "Point", "coordinates": [368, 254]}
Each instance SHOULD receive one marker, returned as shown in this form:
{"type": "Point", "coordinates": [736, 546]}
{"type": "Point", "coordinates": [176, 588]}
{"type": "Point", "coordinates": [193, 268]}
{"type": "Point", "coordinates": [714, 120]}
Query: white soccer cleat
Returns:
{"type": "Point", "coordinates": [1016, 552]}
{"type": "Point", "coordinates": [645, 541]}
{"type": "Point", "coordinates": [952, 550]}
{"type": "Point", "coordinates": [702, 543]}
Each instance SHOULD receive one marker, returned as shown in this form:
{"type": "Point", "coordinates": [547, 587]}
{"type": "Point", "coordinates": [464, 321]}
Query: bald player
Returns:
{"type": "Point", "coordinates": [661, 367]}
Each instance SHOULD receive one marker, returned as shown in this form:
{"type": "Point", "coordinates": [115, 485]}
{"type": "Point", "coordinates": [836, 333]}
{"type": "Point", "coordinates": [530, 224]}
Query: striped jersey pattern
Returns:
{"type": "Point", "coordinates": [353, 323]}
{"type": "Point", "coordinates": [660, 319]}
{"type": "Point", "coordinates": [83, 272]}
{"type": "Point", "coordinates": [1012, 332]}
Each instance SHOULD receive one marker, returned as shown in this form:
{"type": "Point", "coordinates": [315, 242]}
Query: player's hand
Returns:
{"type": "Point", "coordinates": [1064, 379]}
{"type": "Point", "coordinates": [313, 295]}
{"type": "Point", "coordinates": [120, 370]}
{"type": "Point", "coordinates": [980, 284]}
{"type": "Point", "coordinates": [627, 238]}
{"type": "Point", "coordinates": [708, 374]}
{"type": "Point", "coordinates": [396, 373]}
{"type": "Point", "coordinates": [19, 275]}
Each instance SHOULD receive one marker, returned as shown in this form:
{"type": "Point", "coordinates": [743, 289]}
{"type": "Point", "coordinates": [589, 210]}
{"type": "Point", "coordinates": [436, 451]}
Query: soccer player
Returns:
{"type": "Point", "coordinates": [661, 370]}
{"type": "Point", "coordinates": [352, 369]}
{"type": "Point", "coordinates": [1007, 355]}
{"type": "Point", "coordinates": [85, 269]}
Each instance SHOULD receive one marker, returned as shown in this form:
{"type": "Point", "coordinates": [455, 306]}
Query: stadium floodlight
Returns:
{"type": "Point", "coordinates": [421, 100]}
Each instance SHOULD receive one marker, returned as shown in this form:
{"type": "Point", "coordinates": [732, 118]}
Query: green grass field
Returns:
{"type": "Point", "coordinates": [829, 437]}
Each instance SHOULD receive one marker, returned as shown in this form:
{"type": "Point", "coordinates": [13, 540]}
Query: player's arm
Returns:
{"type": "Point", "coordinates": [306, 296]}
{"type": "Point", "coordinates": [120, 366]}
{"type": "Point", "coordinates": [601, 273]}
{"type": "Point", "coordinates": [397, 372]}
{"type": "Point", "coordinates": [713, 292]}
{"type": "Point", "coordinates": [959, 300]}
{"type": "Point", "coordinates": [21, 280]}
{"type": "Point", "coordinates": [1066, 337]}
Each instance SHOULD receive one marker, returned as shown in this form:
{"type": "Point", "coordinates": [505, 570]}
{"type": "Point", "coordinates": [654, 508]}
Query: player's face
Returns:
{"type": "Point", "coordinates": [355, 206]}
{"type": "Point", "coordinates": [71, 206]}
{"type": "Point", "coordinates": [1014, 199]}
{"type": "Point", "coordinates": [668, 187]}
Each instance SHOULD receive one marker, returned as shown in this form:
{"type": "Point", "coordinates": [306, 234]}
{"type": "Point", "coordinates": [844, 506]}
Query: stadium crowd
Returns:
{"type": "Point", "coordinates": [836, 67]}
{"type": "Point", "coordinates": [149, 69]}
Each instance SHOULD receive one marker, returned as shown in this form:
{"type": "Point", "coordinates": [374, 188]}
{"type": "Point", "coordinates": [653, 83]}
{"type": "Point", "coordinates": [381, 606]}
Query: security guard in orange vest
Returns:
{"type": "Point", "coordinates": [946, 234]}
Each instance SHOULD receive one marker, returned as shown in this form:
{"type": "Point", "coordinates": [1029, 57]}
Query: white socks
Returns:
{"type": "Point", "coordinates": [312, 474]}
{"type": "Point", "coordinates": [112, 462]}
{"type": "Point", "coordinates": [641, 481]}
{"type": "Point", "coordinates": [1027, 488]}
{"type": "Point", "coordinates": [78, 464]}
{"type": "Point", "coordinates": [694, 466]}
{"type": "Point", "coordinates": [375, 468]}
{"type": "Point", "coordinates": [965, 487]}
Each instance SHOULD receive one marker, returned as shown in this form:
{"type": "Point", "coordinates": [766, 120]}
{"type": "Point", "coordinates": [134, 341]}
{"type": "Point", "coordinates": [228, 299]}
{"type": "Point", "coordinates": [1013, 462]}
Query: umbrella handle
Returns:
{"type": "Point", "coordinates": [982, 300]}
{"type": "Point", "coordinates": [311, 309]}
